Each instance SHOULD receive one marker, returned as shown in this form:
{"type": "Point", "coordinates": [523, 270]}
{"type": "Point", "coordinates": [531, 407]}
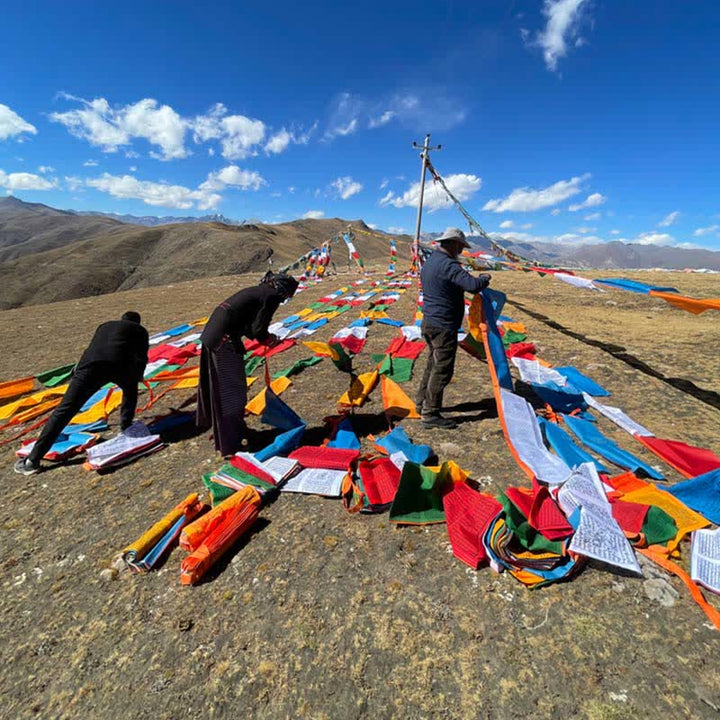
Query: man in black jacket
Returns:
{"type": "Point", "coordinates": [116, 354]}
{"type": "Point", "coordinates": [444, 284]}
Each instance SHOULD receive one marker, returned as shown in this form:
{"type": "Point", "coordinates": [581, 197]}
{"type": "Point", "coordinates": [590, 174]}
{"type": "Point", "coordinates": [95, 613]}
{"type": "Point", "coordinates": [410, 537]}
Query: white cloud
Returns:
{"type": "Point", "coordinates": [555, 211]}
{"type": "Point", "coordinates": [313, 215]}
{"type": "Point", "coordinates": [615, 232]}
{"type": "Point", "coordinates": [527, 200]}
{"type": "Point", "coordinates": [111, 128]}
{"type": "Point", "coordinates": [346, 187]}
{"type": "Point", "coordinates": [586, 230]}
{"type": "Point", "coordinates": [133, 168]}
{"type": "Point", "coordinates": [233, 176]}
{"type": "Point", "coordinates": [670, 219]}
{"type": "Point", "coordinates": [654, 238]}
{"type": "Point", "coordinates": [506, 224]}
{"type": "Point", "coordinates": [12, 125]}
{"type": "Point", "coordinates": [240, 135]}
{"type": "Point", "coordinates": [46, 169]}
{"type": "Point", "coordinates": [292, 189]}
{"type": "Point", "coordinates": [429, 108]}
{"type": "Point", "coordinates": [372, 226]}
{"type": "Point", "coordinates": [155, 193]}
{"type": "Point", "coordinates": [526, 226]}
{"type": "Point", "coordinates": [74, 183]}
{"type": "Point", "coordinates": [462, 186]}
{"type": "Point", "coordinates": [381, 120]}
{"type": "Point", "coordinates": [24, 181]}
{"type": "Point", "coordinates": [384, 184]}
{"type": "Point", "coordinates": [278, 142]}
{"type": "Point", "coordinates": [699, 232]}
{"type": "Point", "coordinates": [593, 216]}
{"type": "Point", "coordinates": [564, 18]}
{"type": "Point", "coordinates": [397, 230]}
{"type": "Point", "coordinates": [562, 239]}
{"type": "Point", "coordinates": [90, 163]}
{"type": "Point", "coordinates": [590, 201]}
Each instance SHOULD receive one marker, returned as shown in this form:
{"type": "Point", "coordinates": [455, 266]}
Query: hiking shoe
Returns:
{"type": "Point", "coordinates": [440, 422]}
{"type": "Point", "coordinates": [24, 466]}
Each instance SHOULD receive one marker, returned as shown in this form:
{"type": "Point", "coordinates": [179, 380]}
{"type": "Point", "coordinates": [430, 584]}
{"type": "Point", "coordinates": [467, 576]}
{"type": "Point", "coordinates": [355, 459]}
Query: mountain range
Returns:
{"type": "Point", "coordinates": [48, 254]}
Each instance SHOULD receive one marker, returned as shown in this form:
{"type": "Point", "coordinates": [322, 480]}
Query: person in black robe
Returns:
{"type": "Point", "coordinates": [222, 388]}
{"type": "Point", "coordinates": [118, 353]}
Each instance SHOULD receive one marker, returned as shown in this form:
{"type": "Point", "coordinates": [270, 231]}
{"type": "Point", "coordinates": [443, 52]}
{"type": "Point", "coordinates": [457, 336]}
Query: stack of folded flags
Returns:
{"type": "Point", "coordinates": [132, 443]}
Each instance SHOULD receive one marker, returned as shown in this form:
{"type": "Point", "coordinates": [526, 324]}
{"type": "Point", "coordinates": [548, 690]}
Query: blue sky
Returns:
{"type": "Point", "coordinates": [567, 120]}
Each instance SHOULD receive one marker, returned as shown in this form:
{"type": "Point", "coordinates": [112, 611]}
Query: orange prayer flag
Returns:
{"type": "Point", "coordinates": [321, 348]}
{"type": "Point", "coordinates": [195, 533]}
{"type": "Point", "coordinates": [395, 400]}
{"type": "Point", "coordinates": [257, 404]}
{"type": "Point", "coordinates": [691, 305]}
{"type": "Point", "coordinates": [179, 374]}
{"type": "Point", "coordinates": [232, 522]}
{"type": "Point", "coordinates": [13, 388]}
{"type": "Point", "coordinates": [29, 401]}
{"type": "Point", "coordinates": [686, 519]}
{"type": "Point", "coordinates": [359, 390]}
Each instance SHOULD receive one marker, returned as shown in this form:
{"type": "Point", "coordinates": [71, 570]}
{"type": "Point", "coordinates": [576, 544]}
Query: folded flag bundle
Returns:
{"type": "Point", "coordinates": [144, 553]}
{"type": "Point", "coordinates": [69, 443]}
{"type": "Point", "coordinates": [132, 443]}
{"type": "Point", "coordinates": [209, 537]}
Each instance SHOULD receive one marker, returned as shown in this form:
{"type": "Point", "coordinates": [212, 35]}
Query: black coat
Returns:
{"type": "Point", "coordinates": [121, 343]}
{"type": "Point", "coordinates": [247, 313]}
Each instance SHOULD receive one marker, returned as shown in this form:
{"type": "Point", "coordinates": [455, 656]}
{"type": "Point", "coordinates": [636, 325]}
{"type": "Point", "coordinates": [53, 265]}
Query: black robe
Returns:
{"type": "Point", "coordinates": [222, 388]}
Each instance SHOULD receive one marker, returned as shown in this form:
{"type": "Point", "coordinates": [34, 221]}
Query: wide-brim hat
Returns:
{"type": "Point", "coordinates": [453, 233]}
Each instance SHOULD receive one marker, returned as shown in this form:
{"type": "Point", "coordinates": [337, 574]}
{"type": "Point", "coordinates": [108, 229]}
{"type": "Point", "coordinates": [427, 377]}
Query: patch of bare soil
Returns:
{"type": "Point", "coordinates": [319, 614]}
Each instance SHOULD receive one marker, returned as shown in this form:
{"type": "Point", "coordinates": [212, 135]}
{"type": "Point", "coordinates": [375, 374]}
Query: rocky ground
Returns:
{"type": "Point", "coordinates": [320, 614]}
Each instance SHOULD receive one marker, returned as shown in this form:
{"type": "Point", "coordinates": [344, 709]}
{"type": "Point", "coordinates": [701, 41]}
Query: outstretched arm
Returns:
{"type": "Point", "coordinates": [263, 319]}
{"type": "Point", "coordinates": [460, 277]}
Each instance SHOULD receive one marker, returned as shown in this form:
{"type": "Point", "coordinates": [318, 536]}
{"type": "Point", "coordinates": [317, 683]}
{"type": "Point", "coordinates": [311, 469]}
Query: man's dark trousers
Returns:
{"type": "Point", "coordinates": [86, 381]}
{"type": "Point", "coordinates": [442, 348]}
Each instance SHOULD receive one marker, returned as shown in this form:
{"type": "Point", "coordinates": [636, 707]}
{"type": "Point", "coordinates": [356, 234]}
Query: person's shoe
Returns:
{"type": "Point", "coordinates": [440, 422]}
{"type": "Point", "coordinates": [25, 466]}
{"type": "Point", "coordinates": [419, 407]}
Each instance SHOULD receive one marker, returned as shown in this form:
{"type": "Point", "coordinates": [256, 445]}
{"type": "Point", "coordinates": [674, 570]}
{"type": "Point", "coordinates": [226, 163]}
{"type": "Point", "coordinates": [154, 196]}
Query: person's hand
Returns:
{"type": "Point", "coordinates": [484, 279]}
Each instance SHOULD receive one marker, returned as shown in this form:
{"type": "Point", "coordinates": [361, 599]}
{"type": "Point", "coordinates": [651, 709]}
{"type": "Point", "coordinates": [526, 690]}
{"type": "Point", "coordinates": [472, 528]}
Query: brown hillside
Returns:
{"type": "Point", "coordinates": [130, 256]}
{"type": "Point", "coordinates": [27, 228]}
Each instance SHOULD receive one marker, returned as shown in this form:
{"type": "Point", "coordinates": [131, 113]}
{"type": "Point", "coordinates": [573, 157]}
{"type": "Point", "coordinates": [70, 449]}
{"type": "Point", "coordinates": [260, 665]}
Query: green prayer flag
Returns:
{"type": "Point", "coordinates": [401, 369]}
{"type": "Point", "coordinates": [298, 366]}
{"type": "Point", "coordinates": [511, 337]}
{"type": "Point", "coordinates": [418, 500]}
{"type": "Point", "coordinates": [658, 527]}
{"type": "Point", "coordinates": [253, 364]}
{"type": "Point", "coordinates": [218, 492]}
{"type": "Point", "coordinates": [528, 537]}
{"type": "Point", "coordinates": [56, 376]}
{"type": "Point", "coordinates": [164, 368]}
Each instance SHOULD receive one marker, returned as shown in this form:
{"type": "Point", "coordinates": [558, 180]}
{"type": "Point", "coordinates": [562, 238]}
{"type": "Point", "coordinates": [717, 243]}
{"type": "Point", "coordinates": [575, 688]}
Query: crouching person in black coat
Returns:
{"type": "Point", "coordinates": [116, 354]}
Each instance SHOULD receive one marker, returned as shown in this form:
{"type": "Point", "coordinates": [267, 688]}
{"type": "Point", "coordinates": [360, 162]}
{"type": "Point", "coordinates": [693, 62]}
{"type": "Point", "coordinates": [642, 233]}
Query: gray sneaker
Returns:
{"type": "Point", "coordinates": [438, 421]}
{"type": "Point", "coordinates": [25, 466]}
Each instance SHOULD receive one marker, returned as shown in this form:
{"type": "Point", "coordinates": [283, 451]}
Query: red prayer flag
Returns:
{"type": "Point", "coordinates": [468, 514]}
